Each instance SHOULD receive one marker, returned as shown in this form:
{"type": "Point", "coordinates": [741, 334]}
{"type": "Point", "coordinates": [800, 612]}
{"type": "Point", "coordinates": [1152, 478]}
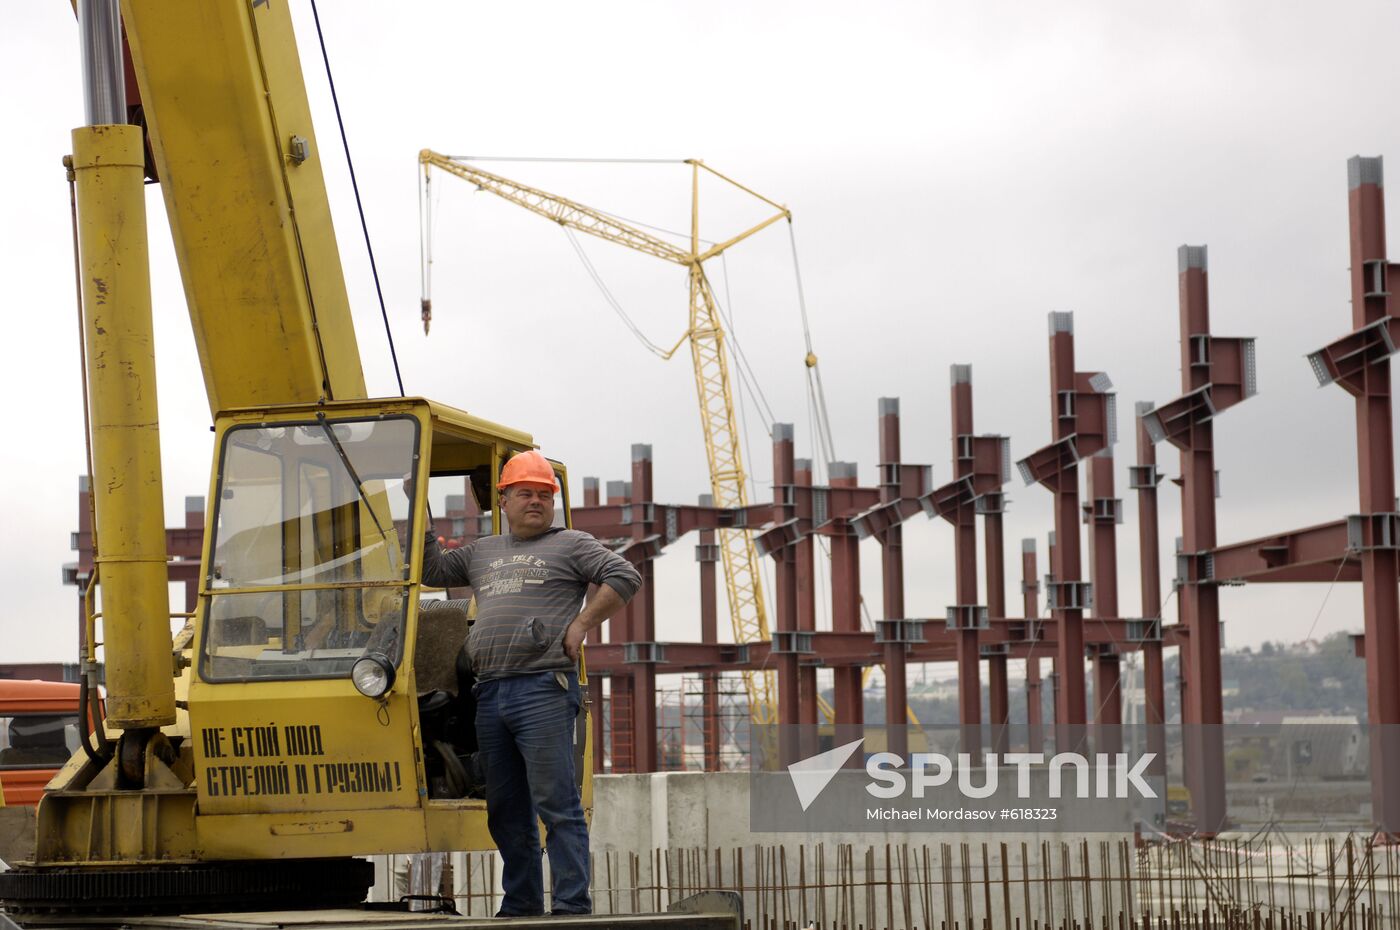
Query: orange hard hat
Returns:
{"type": "Point", "coordinates": [528, 468]}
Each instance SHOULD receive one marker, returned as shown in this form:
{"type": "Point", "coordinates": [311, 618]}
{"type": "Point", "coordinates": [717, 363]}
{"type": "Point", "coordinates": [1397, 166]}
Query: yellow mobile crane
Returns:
{"type": "Point", "coordinates": [706, 336]}
{"type": "Point", "coordinates": [311, 710]}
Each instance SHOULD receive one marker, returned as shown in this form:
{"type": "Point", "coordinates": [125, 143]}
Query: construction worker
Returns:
{"type": "Point", "coordinates": [524, 647]}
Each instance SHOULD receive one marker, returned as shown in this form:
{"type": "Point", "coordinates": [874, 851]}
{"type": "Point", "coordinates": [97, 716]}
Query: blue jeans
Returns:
{"type": "Point", "coordinates": [525, 732]}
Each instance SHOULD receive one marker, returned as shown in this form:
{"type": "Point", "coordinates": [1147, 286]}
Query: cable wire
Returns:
{"type": "Point", "coordinates": [359, 205]}
{"type": "Point", "coordinates": [744, 369]}
{"type": "Point", "coordinates": [627, 321]}
{"type": "Point", "coordinates": [1323, 606]}
{"type": "Point", "coordinates": [571, 161]}
{"type": "Point", "coordinates": [814, 375]}
{"type": "Point", "coordinates": [659, 229]}
{"type": "Point", "coordinates": [754, 388]}
{"type": "Point", "coordinates": [425, 233]}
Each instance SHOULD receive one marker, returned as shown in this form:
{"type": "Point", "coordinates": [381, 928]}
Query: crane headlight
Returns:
{"type": "Point", "coordinates": [373, 675]}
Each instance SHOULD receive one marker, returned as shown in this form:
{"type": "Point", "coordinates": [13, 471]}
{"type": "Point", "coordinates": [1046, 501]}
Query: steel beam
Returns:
{"type": "Point", "coordinates": [965, 554]}
{"type": "Point", "coordinates": [1144, 478]}
{"type": "Point", "coordinates": [806, 590]}
{"type": "Point", "coordinates": [1188, 423]}
{"type": "Point", "coordinates": [847, 651]}
{"type": "Point", "coordinates": [785, 589]}
{"type": "Point", "coordinates": [999, 699]}
{"type": "Point", "coordinates": [892, 582]}
{"type": "Point", "coordinates": [1081, 414]}
{"type": "Point", "coordinates": [707, 554]}
{"type": "Point", "coordinates": [1102, 512]}
{"type": "Point", "coordinates": [845, 598]}
{"type": "Point", "coordinates": [1216, 374]}
{"type": "Point", "coordinates": [1030, 609]}
{"type": "Point", "coordinates": [621, 682]}
{"type": "Point", "coordinates": [644, 619]}
{"type": "Point", "coordinates": [1371, 305]}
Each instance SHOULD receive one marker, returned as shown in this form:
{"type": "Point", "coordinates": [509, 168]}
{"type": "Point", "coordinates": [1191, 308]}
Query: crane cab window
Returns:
{"type": "Point", "coordinates": [307, 566]}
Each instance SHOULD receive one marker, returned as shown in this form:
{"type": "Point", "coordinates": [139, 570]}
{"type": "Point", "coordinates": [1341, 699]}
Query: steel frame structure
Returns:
{"type": "Point", "coordinates": [1217, 373]}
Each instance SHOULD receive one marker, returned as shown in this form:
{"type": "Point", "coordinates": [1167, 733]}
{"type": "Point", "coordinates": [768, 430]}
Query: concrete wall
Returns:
{"type": "Point", "coordinates": [670, 810]}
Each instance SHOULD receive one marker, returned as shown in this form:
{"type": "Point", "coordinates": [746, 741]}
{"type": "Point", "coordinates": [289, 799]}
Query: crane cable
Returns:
{"type": "Point", "coordinates": [814, 375]}
{"type": "Point", "coordinates": [355, 185]}
{"type": "Point", "coordinates": [747, 378]}
{"type": "Point", "coordinates": [425, 241]}
{"type": "Point", "coordinates": [364, 226]}
{"type": "Point", "coordinates": [571, 161]}
{"type": "Point", "coordinates": [612, 301]}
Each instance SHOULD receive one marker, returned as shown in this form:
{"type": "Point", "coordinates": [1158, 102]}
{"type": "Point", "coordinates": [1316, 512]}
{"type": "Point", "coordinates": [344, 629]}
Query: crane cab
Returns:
{"type": "Point", "coordinates": [331, 709]}
{"type": "Point", "coordinates": [329, 713]}
{"type": "Point", "coordinates": [310, 603]}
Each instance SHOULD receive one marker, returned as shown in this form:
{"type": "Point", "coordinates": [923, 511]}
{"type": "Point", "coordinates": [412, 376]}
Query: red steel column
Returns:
{"type": "Point", "coordinates": [1375, 455]}
{"type": "Point", "coordinates": [644, 720]}
{"type": "Point", "coordinates": [806, 593]}
{"type": "Point", "coordinates": [1069, 621]}
{"type": "Point", "coordinates": [1199, 598]}
{"type": "Point", "coordinates": [998, 701]}
{"type": "Point", "coordinates": [1030, 608]}
{"type": "Point", "coordinates": [623, 692]}
{"type": "Point", "coordinates": [965, 555]}
{"type": "Point", "coordinates": [785, 596]}
{"type": "Point", "coordinates": [845, 602]}
{"type": "Point", "coordinates": [999, 697]}
{"type": "Point", "coordinates": [1153, 679]}
{"type": "Point", "coordinates": [1102, 511]}
{"type": "Point", "coordinates": [892, 576]}
{"type": "Point", "coordinates": [707, 554]}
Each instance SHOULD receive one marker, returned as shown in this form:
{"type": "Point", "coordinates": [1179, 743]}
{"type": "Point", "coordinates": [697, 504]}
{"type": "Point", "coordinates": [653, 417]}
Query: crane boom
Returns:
{"type": "Point", "coordinates": [709, 356]}
{"type": "Point", "coordinates": [231, 134]}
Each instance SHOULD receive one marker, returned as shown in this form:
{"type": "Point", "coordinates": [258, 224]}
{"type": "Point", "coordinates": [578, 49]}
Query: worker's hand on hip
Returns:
{"type": "Point", "coordinates": [573, 640]}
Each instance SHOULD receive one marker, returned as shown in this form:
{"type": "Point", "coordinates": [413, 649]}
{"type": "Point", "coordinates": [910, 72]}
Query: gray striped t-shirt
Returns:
{"type": "Point", "coordinates": [527, 592]}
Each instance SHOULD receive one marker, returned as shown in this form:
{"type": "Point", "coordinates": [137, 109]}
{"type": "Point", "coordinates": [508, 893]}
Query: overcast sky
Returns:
{"type": "Point", "coordinates": [955, 172]}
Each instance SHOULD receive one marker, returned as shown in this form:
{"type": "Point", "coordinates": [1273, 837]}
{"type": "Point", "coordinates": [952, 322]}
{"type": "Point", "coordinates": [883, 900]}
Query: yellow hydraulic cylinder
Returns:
{"type": "Point", "coordinates": [121, 367]}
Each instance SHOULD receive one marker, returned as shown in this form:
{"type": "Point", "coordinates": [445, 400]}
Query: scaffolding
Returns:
{"type": "Point", "coordinates": [694, 735]}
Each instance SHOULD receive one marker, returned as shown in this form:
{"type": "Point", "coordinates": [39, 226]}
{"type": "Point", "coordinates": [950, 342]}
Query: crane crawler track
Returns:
{"type": "Point", "coordinates": [291, 883]}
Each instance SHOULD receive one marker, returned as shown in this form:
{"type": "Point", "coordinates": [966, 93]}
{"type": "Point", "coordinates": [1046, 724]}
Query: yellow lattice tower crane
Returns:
{"type": "Point", "coordinates": [706, 336]}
